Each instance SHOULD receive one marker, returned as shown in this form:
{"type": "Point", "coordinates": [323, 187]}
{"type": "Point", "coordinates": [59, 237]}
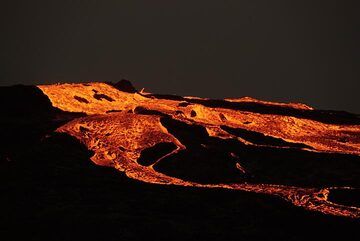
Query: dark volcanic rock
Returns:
{"type": "Point", "coordinates": [27, 117]}
{"type": "Point", "coordinates": [24, 101]}
{"type": "Point", "coordinates": [81, 99]}
{"type": "Point", "coordinates": [103, 97]}
{"type": "Point", "coordinates": [151, 155]}
{"type": "Point", "coordinates": [261, 139]}
{"type": "Point", "coordinates": [124, 85]}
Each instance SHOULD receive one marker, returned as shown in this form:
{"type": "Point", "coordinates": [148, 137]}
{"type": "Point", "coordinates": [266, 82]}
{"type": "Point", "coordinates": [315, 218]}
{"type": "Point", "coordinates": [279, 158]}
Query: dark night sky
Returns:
{"type": "Point", "coordinates": [303, 51]}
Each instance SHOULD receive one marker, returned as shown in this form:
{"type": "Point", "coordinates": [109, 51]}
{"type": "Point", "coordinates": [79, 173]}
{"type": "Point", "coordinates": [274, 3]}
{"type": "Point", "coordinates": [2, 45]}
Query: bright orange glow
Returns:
{"type": "Point", "coordinates": [112, 123]}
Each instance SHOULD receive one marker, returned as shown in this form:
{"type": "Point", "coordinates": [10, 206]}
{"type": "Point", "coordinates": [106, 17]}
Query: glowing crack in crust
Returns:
{"type": "Point", "coordinates": [117, 134]}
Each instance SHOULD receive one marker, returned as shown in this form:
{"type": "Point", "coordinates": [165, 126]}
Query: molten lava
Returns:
{"type": "Point", "coordinates": [120, 126]}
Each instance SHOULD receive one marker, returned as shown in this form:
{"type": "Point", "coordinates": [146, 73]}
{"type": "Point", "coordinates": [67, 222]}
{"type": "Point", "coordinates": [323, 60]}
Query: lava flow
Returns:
{"type": "Point", "coordinates": [206, 143]}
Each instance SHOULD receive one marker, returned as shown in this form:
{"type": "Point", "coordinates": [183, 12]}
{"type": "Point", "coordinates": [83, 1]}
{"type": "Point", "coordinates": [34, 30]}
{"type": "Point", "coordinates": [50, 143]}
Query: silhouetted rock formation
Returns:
{"type": "Point", "coordinates": [124, 85]}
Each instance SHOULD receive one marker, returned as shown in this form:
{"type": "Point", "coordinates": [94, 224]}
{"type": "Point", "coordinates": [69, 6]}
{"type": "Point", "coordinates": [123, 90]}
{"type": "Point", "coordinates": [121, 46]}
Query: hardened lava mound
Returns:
{"type": "Point", "coordinates": [289, 150]}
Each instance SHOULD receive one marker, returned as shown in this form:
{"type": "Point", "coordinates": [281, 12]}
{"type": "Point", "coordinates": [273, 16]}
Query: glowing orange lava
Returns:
{"type": "Point", "coordinates": [117, 133]}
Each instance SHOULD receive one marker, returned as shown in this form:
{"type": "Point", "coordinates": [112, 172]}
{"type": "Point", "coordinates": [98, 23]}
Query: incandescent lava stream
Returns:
{"type": "Point", "coordinates": [121, 127]}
